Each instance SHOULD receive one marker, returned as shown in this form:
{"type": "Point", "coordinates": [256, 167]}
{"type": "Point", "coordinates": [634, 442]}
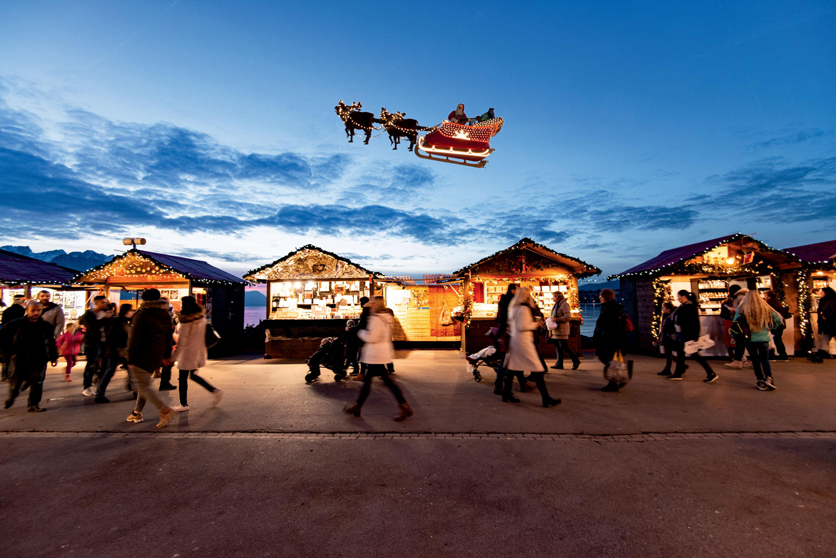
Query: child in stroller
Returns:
{"type": "Point", "coordinates": [486, 357]}
{"type": "Point", "coordinates": [331, 355]}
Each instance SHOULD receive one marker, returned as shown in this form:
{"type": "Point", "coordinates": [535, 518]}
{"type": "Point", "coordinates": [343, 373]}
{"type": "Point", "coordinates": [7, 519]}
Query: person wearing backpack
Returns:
{"type": "Point", "coordinates": [760, 318]}
{"type": "Point", "coordinates": [686, 322]}
{"type": "Point", "coordinates": [190, 352]}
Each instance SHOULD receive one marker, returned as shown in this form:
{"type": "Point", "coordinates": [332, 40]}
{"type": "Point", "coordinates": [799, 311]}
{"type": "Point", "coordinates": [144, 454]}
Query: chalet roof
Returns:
{"type": "Point", "coordinates": [197, 271]}
{"type": "Point", "coordinates": [674, 256]}
{"type": "Point", "coordinates": [252, 275]}
{"type": "Point", "coordinates": [579, 267]}
{"type": "Point", "coordinates": [16, 269]}
{"type": "Point", "coordinates": [820, 252]}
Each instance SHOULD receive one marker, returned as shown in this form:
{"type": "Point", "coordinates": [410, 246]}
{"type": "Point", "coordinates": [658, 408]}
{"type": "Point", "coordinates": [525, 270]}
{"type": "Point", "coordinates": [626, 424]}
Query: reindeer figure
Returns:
{"type": "Point", "coordinates": [355, 120]}
{"type": "Point", "coordinates": [399, 127]}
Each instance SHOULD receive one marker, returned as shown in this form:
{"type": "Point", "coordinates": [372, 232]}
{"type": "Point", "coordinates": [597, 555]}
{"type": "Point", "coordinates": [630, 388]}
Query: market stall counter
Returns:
{"type": "Point", "coordinates": [311, 294]}
{"type": "Point", "coordinates": [526, 263]}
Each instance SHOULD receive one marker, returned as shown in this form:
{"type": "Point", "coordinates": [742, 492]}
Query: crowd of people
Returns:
{"type": "Point", "coordinates": [150, 340]}
{"type": "Point", "coordinates": [146, 342]}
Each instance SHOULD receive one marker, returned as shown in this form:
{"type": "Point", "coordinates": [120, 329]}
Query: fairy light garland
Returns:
{"type": "Point", "coordinates": [802, 277]}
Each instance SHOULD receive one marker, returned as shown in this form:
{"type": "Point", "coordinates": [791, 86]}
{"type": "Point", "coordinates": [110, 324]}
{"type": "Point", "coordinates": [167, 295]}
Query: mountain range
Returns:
{"type": "Point", "coordinates": [79, 261]}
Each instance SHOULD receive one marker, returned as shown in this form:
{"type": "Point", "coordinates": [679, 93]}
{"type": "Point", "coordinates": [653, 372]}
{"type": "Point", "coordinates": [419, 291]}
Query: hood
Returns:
{"type": "Point", "coordinates": [159, 304]}
{"type": "Point", "coordinates": [186, 318]}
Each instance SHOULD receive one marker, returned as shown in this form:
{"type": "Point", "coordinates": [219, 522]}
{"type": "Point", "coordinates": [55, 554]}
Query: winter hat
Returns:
{"type": "Point", "coordinates": [608, 294]}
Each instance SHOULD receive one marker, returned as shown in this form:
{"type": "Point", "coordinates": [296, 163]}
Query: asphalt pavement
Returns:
{"type": "Point", "coordinates": [660, 469]}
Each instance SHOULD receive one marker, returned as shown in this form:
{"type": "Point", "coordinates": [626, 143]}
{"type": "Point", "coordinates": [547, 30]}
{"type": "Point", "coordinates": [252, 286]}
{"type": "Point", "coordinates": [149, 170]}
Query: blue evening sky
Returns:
{"type": "Point", "coordinates": [209, 127]}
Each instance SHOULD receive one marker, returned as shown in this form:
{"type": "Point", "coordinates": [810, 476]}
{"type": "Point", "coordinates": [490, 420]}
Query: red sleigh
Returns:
{"type": "Point", "coordinates": [460, 144]}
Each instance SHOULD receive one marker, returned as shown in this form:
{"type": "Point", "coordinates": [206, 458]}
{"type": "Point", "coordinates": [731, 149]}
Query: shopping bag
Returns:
{"type": "Point", "coordinates": [551, 324]}
{"type": "Point", "coordinates": [619, 370]}
{"type": "Point", "coordinates": [704, 342]}
{"type": "Point", "coordinates": [212, 336]}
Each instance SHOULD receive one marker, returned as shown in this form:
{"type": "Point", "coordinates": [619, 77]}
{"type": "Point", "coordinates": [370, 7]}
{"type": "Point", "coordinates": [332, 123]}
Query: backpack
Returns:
{"type": "Point", "coordinates": [740, 327]}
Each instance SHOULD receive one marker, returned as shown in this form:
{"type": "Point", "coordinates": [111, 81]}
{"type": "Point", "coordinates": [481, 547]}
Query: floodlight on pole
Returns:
{"type": "Point", "coordinates": [133, 241]}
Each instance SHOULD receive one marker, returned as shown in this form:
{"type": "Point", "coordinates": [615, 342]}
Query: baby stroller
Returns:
{"type": "Point", "coordinates": [486, 357]}
{"type": "Point", "coordinates": [331, 355]}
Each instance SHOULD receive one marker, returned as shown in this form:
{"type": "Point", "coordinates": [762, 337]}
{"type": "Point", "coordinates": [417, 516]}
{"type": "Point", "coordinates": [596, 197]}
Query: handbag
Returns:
{"type": "Point", "coordinates": [619, 370]}
{"type": "Point", "coordinates": [704, 342]}
{"type": "Point", "coordinates": [212, 337]}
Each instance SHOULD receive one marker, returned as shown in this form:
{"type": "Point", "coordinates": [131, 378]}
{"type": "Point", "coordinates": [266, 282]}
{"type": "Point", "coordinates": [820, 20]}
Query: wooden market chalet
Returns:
{"type": "Point", "coordinates": [221, 293]}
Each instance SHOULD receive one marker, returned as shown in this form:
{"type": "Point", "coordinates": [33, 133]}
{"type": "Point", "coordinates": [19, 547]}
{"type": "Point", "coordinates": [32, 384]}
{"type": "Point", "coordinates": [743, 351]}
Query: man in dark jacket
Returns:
{"type": "Point", "coordinates": [95, 322]}
{"type": "Point", "coordinates": [52, 314]}
{"type": "Point", "coordinates": [28, 344]}
{"type": "Point", "coordinates": [609, 332]}
{"type": "Point", "coordinates": [149, 347]}
{"type": "Point", "coordinates": [686, 320]}
{"type": "Point", "coordinates": [13, 312]}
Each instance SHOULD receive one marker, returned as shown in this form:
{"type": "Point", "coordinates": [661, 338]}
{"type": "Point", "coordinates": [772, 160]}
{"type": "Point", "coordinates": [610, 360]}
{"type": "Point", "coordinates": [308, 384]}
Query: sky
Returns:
{"type": "Point", "coordinates": [209, 129]}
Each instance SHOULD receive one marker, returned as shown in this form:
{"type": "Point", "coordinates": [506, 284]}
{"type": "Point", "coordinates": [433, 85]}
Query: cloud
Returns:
{"type": "Point", "coordinates": [790, 138]}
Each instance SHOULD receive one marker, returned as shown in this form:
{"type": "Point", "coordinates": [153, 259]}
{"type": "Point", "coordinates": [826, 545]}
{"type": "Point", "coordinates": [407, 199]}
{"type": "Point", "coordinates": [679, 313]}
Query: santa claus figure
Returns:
{"type": "Point", "coordinates": [458, 116]}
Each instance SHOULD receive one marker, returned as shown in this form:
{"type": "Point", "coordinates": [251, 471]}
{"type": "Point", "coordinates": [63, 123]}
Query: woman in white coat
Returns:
{"type": "Point", "coordinates": [376, 353]}
{"type": "Point", "coordinates": [190, 353]}
{"type": "Point", "coordinates": [522, 353]}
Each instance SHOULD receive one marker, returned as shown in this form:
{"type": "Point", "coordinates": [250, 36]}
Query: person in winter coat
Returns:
{"type": "Point", "coordinates": [376, 353]}
{"type": "Point", "coordinates": [760, 318]}
{"type": "Point", "coordinates": [68, 345]}
{"type": "Point", "coordinates": [501, 343]}
{"type": "Point", "coordinates": [352, 347]}
{"type": "Point", "coordinates": [778, 333]}
{"type": "Point", "coordinates": [739, 340]}
{"type": "Point", "coordinates": [149, 347]}
{"type": "Point", "coordinates": [522, 352]}
{"type": "Point", "coordinates": [52, 314]}
{"type": "Point", "coordinates": [609, 333]}
{"type": "Point", "coordinates": [561, 313]}
{"type": "Point", "coordinates": [190, 353]}
{"type": "Point", "coordinates": [13, 312]}
{"type": "Point", "coordinates": [686, 320]}
{"type": "Point", "coordinates": [114, 350]}
{"type": "Point", "coordinates": [364, 322]}
{"type": "Point", "coordinates": [28, 344]}
{"type": "Point", "coordinates": [95, 322]}
{"type": "Point", "coordinates": [666, 337]}
{"type": "Point", "coordinates": [165, 373]}
{"type": "Point", "coordinates": [826, 323]}
{"type": "Point", "coordinates": [727, 309]}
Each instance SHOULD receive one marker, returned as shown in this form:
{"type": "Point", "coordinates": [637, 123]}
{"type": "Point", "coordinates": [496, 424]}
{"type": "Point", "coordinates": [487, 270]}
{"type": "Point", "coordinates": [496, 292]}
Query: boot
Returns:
{"type": "Point", "coordinates": [737, 364]}
{"type": "Point", "coordinates": [404, 410]}
{"type": "Point", "coordinates": [508, 398]}
{"type": "Point", "coordinates": [575, 364]}
{"type": "Point", "coordinates": [353, 409]}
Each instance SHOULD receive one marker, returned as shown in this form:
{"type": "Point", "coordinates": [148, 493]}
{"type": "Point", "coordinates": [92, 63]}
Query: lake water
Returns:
{"type": "Point", "coordinates": [590, 311]}
{"type": "Point", "coordinates": [254, 314]}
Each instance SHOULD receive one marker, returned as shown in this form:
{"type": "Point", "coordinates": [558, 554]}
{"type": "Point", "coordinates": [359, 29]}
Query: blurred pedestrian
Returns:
{"type": "Point", "coordinates": [165, 374]}
{"type": "Point", "coordinates": [727, 308]}
{"type": "Point", "coordinates": [760, 318]}
{"type": "Point", "coordinates": [69, 345]}
{"type": "Point", "coordinates": [503, 338]}
{"type": "Point", "coordinates": [738, 358]}
{"type": "Point", "coordinates": [826, 315]}
{"type": "Point", "coordinates": [52, 314]}
{"type": "Point", "coordinates": [29, 344]}
{"type": "Point", "coordinates": [561, 314]}
{"type": "Point", "coordinates": [609, 333]}
{"type": "Point", "coordinates": [778, 333]}
{"type": "Point", "coordinates": [377, 352]}
{"type": "Point", "coordinates": [666, 337]}
{"type": "Point", "coordinates": [190, 353]}
{"type": "Point", "coordinates": [10, 314]}
{"type": "Point", "coordinates": [686, 321]}
{"type": "Point", "coordinates": [149, 347]}
{"type": "Point", "coordinates": [115, 349]}
{"type": "Point", "coordinates": [363, 324]}
{"type": "Point", "coordinates": [352, 347]}
{"type": "Point", "coordinates": [95, 322]}
{"type": "Point", "coordinates": [522, 353]}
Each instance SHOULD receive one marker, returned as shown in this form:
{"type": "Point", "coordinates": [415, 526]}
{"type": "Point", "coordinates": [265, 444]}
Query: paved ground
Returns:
{"type": "Point", "coordinates": [660, 469]}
